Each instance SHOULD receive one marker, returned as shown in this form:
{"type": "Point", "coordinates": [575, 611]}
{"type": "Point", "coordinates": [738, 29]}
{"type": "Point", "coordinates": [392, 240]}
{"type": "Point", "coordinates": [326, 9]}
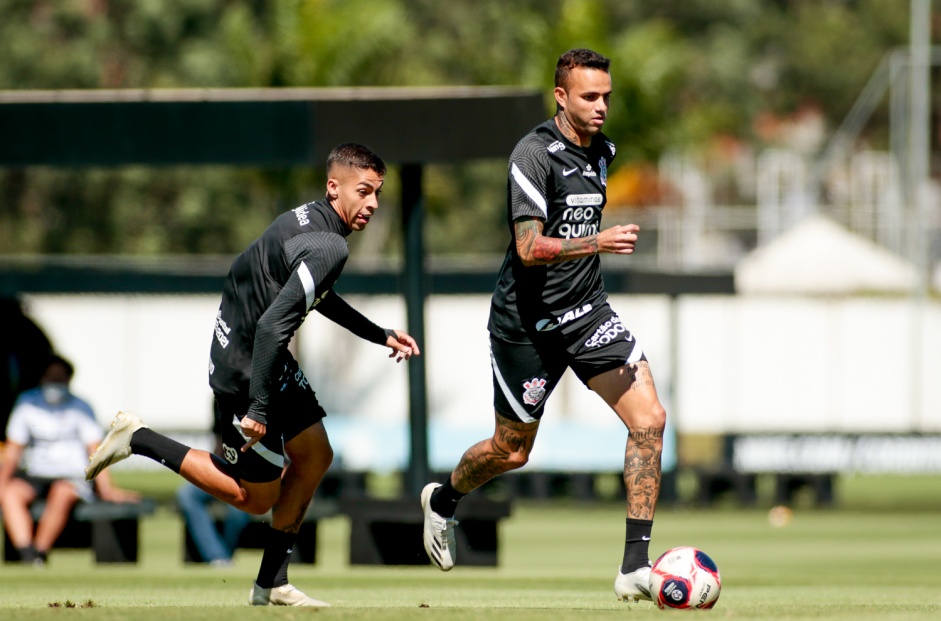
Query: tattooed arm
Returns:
{"type": "Point", "coordinates": [534, 248]}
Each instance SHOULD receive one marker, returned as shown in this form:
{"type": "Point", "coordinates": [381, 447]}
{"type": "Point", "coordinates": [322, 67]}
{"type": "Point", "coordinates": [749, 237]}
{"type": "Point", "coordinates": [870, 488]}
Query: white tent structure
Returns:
{"type": "Point", "coordinates": [818, 256]}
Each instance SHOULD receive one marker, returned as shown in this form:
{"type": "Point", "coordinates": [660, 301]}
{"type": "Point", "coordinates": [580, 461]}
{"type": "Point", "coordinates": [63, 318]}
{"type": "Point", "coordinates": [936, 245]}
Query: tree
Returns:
{"type": "Point", "coordinates": [685, 73]}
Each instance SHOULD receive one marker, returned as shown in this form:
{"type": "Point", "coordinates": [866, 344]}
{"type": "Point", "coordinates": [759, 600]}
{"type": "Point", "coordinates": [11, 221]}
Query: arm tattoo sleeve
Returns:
{"type": "Point", "coordinates": [534, 248]}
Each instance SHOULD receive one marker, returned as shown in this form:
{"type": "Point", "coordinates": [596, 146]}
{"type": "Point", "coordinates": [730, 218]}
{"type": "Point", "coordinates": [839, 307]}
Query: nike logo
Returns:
{"type": "Point", "coordinates": [566, 173]}
{"type": "Point", "coordinates": [644, 538]}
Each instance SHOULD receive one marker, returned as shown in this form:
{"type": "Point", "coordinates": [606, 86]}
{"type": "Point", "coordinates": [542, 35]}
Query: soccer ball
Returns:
{"type": "Point", "coordinates": [685, 578]}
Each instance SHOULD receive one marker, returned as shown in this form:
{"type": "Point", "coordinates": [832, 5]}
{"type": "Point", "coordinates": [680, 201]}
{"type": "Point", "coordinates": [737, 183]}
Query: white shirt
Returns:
{"type": "Point", "coordinates": [55, 436]}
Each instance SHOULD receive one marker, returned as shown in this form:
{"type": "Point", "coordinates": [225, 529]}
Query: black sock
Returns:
{"type": "Point", "coordinates": [274, 562]}
{"type": "Point", "coordinates": [161, 449]}
{"type": "Point", "coordinates": [27, 554]}
{"type": "Point", "coordinates": [444, 499]}
{"type": "Point", "coordinates": [636, 545]}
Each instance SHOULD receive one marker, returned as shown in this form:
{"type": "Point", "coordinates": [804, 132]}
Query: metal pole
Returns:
{"type": "Point", "coordinates": [919, 152]}
{"type": "Point", "coordinates": [416, 292]}
{"type": "Point", "coordinates": [919, 130]}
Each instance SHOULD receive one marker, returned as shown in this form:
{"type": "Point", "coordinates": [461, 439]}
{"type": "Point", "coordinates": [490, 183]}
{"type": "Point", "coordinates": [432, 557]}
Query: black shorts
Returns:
{"type": "Point", "coordinates": [525, 374]}
{"type": "Point", "coordinates": [293, 407]}
{"type": "Point", "coordinates": [42, 485]}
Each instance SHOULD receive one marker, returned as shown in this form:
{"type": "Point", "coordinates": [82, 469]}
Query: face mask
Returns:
{"type": "Point", "coordinates": [55, 393]}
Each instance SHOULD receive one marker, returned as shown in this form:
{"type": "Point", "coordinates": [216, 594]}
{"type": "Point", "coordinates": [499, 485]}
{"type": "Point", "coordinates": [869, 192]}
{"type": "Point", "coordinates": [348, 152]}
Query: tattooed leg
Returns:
{"type": "Point", "coordinates": [508, 449]}
{"type": "Point", "coordinates": [642, 472]}
{"type": "Point", "coordinates": [631, 392]}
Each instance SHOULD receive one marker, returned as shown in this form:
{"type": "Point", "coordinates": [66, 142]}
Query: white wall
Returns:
{"type": "Point", "coordinates": [743, 364]}
{"type": "Point", "coordinates": [749, 364]}
{"type": "Point", "coordinates": [148, 354]}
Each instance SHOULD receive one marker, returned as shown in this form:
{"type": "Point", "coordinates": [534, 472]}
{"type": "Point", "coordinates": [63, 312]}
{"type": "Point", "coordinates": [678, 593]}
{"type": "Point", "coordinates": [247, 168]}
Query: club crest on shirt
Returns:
{"type": "Point", "coordinates": [535, 390]}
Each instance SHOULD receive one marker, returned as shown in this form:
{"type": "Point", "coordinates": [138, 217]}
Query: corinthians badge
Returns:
{"type": "Point", "coordinates": [535, 391]}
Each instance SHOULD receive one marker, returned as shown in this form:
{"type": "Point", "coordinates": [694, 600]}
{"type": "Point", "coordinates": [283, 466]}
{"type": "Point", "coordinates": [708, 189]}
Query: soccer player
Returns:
{"type": "Point", "coordinates": [275, 448]}
{"type": "Point", "coordinates": [549, 312]}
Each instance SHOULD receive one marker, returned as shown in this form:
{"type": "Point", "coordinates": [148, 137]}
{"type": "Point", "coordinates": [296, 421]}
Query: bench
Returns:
{"type": "Point", "coordinates": [556, 484]}
{"type": "Point", "coordinates": [253, 536]}
{"type": "Point", "coordinates": [389, 532]}
{"type": "Point", "coordinates": [111, 529]}
{"type": "Point", "coordinates": [819, 484]}
{"type": "Point", "coordinates": [810, 462]}
{"type": "Point", "coordinates": [714, 482]}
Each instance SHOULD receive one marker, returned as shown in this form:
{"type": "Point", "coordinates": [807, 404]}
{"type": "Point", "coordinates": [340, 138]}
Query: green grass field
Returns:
{"type": "Point", "coordinates": [877, 556]}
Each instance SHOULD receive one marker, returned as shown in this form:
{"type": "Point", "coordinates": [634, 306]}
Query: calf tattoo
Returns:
{"type": "Point", "coordinates": [480, 463]}
{"type": "Point", "coordinates": [494, 456]}
{"type": "Point", "coordinates": [642, 471]}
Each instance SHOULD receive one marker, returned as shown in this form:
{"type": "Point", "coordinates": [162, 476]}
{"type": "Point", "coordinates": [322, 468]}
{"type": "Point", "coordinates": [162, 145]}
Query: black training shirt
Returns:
{"type": "Point", "coordinates": [267, 294]}
{"type": "Point", "coordinates": [563, 184]}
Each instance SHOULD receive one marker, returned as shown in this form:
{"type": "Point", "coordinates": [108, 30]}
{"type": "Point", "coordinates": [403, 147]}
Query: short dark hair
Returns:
{"type": "Point", "coordinates": [578, 58]}
{"type": "Point", "coordinates": [354, 155]}
{"type": "Point", "coordinates": [60, 360]}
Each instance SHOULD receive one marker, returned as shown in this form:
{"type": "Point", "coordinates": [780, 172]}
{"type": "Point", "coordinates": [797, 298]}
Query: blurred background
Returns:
{"type": "Point", "coordinates": [780, 157]}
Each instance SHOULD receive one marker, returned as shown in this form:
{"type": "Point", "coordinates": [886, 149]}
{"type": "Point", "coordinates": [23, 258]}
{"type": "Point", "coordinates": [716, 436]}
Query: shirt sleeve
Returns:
{"type": "Point", "coordinates": [528, 179]}
{"type": "Point", "coordinates": [337, 310]}
{"type": "Point", "coordinates": [322, 252]}
{"type": "Point", "coordinates": [89, 429]}
{"type": "Point", "coordinates": [17, 427]}
{"type": "Point", "coordinates": [318, 258]}
{"type": "Point", "coordinates": [272, 335]}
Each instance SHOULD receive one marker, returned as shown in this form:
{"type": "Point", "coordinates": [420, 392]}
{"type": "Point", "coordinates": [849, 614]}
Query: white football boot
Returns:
{"type": "Point", "coordinates": [285, 595]}
{"type": "Point", "coordinates": [439, 533]}
{"type": "Point", "coordinates": [634, 586]}
{"type": "Point", "coordinates": [116, 446]}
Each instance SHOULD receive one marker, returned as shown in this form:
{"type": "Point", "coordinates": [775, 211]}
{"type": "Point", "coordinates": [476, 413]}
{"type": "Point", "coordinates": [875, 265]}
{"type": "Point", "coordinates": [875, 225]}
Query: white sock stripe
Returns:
{"type": "Point", "coordinates": [529, 189]}
{"type": "Point", "coordinates": [517, 408]}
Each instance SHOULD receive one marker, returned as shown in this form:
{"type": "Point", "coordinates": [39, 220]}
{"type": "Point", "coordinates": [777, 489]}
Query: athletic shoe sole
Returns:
{"type": "Point", "coordinates": [116, 446]}
{"type": "Point", "coordinates": [286, 595]}
{"type": "Point", "coordinates": [441, 553]}
{"type": "Point", "coordinates": [634, 586]}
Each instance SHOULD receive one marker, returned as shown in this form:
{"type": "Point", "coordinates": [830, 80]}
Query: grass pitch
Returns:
{"type": "Point", "coordinates": [864, 561]}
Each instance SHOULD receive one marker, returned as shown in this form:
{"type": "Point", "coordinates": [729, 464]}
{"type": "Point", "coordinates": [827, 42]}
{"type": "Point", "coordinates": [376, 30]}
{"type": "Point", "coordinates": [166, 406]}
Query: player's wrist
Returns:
{"type": "Point", "coordinates": [256, 414]}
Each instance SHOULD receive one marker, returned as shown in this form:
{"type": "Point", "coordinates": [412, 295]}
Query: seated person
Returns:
{"type": "Point", "coordinates": [195, 505]}
{"type": "Point", "coordinates": [214, 547]}
{"type": "Point", "coordinates": [50, 435]}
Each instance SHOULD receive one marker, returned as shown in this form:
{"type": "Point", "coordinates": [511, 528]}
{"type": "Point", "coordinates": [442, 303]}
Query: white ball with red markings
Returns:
{"type": "Point", "coordinates": [685, 578]}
